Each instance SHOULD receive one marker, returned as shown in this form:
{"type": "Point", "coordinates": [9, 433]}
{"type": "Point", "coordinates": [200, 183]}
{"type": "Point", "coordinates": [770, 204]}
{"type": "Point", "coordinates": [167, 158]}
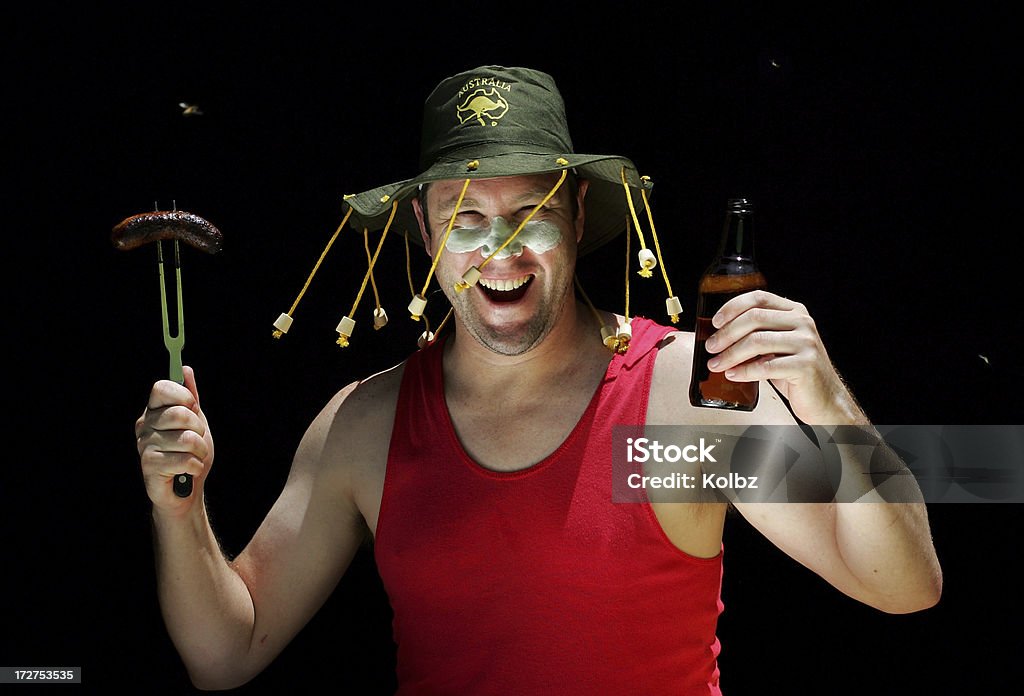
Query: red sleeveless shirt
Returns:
{"type": "Point", "coordinates": [534, 581]}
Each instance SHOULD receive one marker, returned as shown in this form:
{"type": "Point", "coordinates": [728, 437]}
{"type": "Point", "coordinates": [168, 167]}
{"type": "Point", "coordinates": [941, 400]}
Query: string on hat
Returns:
{"type": "Point", "coordinates": [615, 338]}
{"type": "Point", "coordinates": [380, 317]}
{"type": "Point", "coordinates": [471, 276]}
{"type": "Point", "coordinates": [347, 324]}
{"type": "Point", "coordinates": [672, 305]}
{"type": "Point", "coordinates": [440, 326]}
{"type": "Point", "coordinates": [607, 332]}
{"type": "Point", "coordinates": [284, 321]}
{"type": "Point", "coordinates": [419, 301]}
{"type": "Point", "coordinates": [625, 331]}
{"type": "Point", "coordinates": [648, 260]}
{"type": "Point", "coordinates": [428, 336]}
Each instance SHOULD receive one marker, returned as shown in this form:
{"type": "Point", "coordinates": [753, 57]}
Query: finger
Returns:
{"type": "Point", "coordinates": [190, 384]}
{"type": "Point", "coordinates": [170, 464]}
{"type": "Point", "coordinates": [766, 367]}
{"type": "Point", "coordinates": [156, 444]}
{"type": "Point", "coordinates": [167, 428]}
{"type": "Point", "coordinates": [753, 346]}
{"type": "Point", "coordinates": [169, 393]}
{"type": "Point", "coordinates": [748, 300]}
{"type": "Point", "coordinates": [178, 417]}
{"type": "Point", "coordinates": [749, 322]}
{"type": "Point", "coordinates": [761, 343]}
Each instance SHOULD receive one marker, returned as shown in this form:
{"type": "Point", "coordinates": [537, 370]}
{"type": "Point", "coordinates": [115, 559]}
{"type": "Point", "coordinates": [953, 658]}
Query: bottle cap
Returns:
{"type": "Point", "coordinates": [739, 205]}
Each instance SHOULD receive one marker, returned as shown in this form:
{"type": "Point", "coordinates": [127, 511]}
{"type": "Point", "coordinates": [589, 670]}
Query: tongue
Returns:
{"type": "Point", "coordinates": [506, 295]}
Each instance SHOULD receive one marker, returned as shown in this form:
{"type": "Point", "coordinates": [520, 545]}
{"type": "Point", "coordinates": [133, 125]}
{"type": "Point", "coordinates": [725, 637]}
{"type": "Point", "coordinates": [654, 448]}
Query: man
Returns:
{"type": "Point", "coordinates": [481, 465]}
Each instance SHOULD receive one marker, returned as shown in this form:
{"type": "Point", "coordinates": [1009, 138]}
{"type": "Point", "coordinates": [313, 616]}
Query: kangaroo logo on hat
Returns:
{"type": "Point", "coordinates": [483, 102]}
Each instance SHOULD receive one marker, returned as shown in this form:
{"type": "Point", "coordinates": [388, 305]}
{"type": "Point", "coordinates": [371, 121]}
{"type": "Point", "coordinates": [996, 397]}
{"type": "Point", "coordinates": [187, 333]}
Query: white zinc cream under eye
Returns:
{"type": "Point", "coordinates": [539, 236]}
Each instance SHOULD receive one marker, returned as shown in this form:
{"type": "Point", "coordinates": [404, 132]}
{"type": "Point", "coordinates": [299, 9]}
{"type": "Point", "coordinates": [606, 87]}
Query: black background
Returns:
{"type": "Point", "coordinates": [875, 140]}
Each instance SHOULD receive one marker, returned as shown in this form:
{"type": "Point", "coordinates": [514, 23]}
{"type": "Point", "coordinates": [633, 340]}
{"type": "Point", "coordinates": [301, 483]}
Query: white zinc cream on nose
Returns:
{"type": "Point", "coordinates": [538, 236]}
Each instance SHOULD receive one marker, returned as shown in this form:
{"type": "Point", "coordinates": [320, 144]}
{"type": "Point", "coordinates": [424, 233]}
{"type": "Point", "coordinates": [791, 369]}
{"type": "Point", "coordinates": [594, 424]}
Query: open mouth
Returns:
{"type": "Point", "coordinates": [505, 290]}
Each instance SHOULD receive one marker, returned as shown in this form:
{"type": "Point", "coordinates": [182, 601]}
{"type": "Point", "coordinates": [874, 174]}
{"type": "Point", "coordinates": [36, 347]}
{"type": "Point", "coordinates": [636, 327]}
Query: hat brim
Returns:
{"type": "Point", "coordinates": [606, 205]}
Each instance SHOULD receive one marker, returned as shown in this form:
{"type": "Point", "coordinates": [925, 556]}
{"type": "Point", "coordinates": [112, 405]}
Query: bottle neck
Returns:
{"type": "Point", "coordinates": [737, 236]}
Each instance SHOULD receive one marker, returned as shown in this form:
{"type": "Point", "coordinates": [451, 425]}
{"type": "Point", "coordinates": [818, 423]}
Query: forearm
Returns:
{"type": "Point", "coordinates": [881, 525]}
{"type": "Point", "coordinates": [205, 604]}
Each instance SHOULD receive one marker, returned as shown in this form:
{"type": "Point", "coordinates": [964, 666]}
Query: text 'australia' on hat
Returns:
{"type": "Point", "coordinates": [495, 121]}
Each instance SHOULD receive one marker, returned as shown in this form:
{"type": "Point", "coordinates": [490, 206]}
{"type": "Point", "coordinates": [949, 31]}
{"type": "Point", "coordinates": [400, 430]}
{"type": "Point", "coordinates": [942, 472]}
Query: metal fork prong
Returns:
{"type": "Point", "coordinates": [175, 343]}
{"type": "Point", "coordinates": [180, 336]}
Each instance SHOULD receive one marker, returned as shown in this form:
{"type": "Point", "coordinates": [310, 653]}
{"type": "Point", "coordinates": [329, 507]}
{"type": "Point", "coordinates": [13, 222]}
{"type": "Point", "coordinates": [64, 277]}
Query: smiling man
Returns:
{"type": "Point", "coordinates": [481, 466]}
{"type": "Point", "coordinates": [529, 283]}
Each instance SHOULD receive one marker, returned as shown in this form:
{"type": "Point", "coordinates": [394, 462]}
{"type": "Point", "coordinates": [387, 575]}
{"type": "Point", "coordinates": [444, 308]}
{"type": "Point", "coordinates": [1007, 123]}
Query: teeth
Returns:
{"type": "Point", "coordinates": [503, 285]}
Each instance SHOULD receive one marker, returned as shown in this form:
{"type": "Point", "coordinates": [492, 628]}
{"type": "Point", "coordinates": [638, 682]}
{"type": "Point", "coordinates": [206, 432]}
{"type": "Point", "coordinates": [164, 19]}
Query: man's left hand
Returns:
{"type": "Point", "coordinates": [761, 335]}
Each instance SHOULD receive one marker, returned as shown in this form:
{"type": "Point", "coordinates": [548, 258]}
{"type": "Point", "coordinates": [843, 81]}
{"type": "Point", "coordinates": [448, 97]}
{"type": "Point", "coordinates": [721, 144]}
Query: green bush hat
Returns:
{"type": "Point", "coordinates": [490, 122]}
{"type": "Point", "coordinates": [495, 121]}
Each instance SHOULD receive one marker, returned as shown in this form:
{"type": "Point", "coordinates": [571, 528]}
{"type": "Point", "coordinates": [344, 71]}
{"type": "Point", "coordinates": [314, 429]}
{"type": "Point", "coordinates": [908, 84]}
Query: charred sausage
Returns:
{"type": "Point", "coordinates": [144, 228]}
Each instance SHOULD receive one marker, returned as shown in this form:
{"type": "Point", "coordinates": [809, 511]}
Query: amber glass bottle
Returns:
{"type": "Point", "coordinates": [733, 272]}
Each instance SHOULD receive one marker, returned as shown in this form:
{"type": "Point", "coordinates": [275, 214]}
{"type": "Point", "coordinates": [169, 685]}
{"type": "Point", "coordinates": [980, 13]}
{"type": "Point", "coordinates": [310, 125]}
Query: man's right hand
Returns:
{"type": "Point", "coordinates": [173, 437]}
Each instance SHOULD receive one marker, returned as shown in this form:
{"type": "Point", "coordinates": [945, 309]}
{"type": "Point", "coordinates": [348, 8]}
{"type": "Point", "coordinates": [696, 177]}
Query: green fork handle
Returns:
{"type": "Point", "coordinates": [182, 482]}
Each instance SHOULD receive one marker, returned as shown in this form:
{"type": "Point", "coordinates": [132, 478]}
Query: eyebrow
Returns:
{"type": "Point", "coordinates": [446, 207]}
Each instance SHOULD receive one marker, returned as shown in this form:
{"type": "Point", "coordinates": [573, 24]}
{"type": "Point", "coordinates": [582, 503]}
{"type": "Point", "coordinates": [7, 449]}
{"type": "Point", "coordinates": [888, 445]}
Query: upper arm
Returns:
{"type": "Point", "coordinates": [805, 531]}
{"type": "Point", "coordinates": [307, 540]}
{"type": "Point", "coordinates": [876, 552]}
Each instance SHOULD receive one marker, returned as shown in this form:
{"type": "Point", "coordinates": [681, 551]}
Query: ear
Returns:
{"type": "Point", "coordinates": [581, 214]}
{"type": "Point", "coordinates": [424, 232]}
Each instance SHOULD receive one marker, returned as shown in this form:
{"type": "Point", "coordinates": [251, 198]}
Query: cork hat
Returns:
{"type": "Point", "coordinates": [490, 122]}
{"type": "Point", "coordinates": [495, 121]}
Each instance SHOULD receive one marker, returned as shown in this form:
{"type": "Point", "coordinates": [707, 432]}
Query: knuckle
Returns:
{"type": "Point", "coordinates": [760, 315]}
{"type": "Point", "coordinates": [150, 458]}
{"type": "Point", "coordinates": [179, 416]}
{"type": "Point", "coordinates": [809, 340]}
{"type": "Point", "coordinates": [192, 441]}
{"type": "Point", "coordinates": [197, 445]}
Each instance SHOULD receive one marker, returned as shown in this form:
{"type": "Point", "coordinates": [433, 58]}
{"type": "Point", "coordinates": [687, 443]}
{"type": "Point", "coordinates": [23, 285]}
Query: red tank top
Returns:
{"type": "Point", "coordinates": [534, 581]}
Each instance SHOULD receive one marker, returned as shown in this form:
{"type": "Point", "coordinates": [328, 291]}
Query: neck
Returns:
{"type": "Point", "coordinates": [572, 342]}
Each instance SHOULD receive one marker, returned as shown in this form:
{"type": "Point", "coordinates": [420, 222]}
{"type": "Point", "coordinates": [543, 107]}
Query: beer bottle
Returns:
{"type": "Point", "coordinates": [732, 273]}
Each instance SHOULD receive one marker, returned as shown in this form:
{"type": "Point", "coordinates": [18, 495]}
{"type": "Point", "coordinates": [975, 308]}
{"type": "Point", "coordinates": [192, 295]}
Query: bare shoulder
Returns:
{"type": "Point", "coordinates": [367, 400]}
{"type": "Point", "coordinates": [670, 404]}
{"type": "Point", "coordinates": [675, 353]}
{"type": "Point", "coordinates": [358, 419]}
{"type": "Point", "coordinates": [346, 446]}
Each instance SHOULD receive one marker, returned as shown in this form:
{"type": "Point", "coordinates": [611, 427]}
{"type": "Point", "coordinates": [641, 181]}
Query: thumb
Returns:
{"type": "Point", "coordinates": [190, 383]}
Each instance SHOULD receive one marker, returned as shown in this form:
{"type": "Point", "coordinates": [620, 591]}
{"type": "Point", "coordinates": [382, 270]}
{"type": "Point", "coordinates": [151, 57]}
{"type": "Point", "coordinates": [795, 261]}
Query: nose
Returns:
{"type": "Point", "coordinates": [514, 248]}
{"type": "Point", "coordinates": [501, 230]}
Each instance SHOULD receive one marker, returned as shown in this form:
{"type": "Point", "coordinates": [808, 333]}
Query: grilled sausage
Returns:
{"type": "Point", "coordinates": [144, 228]}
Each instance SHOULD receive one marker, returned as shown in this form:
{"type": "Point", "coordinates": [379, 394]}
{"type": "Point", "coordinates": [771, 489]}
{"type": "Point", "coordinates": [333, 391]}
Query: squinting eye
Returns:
{"type": "Point", "coordinates": [527, 209]}
{"type": "Point", "coordinates": [466, 217]}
